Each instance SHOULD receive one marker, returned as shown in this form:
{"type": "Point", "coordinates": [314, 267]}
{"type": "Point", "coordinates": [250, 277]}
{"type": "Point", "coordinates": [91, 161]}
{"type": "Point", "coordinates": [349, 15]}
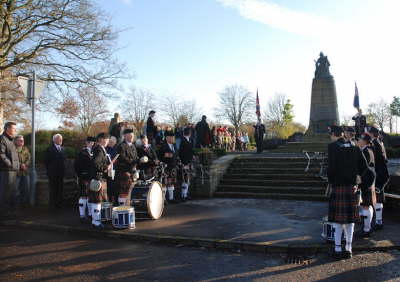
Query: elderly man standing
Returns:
{"type": "Point", "coordinates": [55, 165]}
{"type": "Point", "coordinates": [23, 174]}
{"type": "Point", "coordinates": [9, 165]}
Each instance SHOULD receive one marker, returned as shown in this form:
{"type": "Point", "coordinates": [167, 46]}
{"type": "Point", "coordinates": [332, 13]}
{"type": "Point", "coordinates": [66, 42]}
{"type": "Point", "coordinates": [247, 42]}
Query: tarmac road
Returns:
{"type": "Point", "coordinates": [27, 255]}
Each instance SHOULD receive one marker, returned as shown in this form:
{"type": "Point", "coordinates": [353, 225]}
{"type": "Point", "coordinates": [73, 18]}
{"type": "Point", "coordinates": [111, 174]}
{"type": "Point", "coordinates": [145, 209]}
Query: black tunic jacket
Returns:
{"type": "Point", "coordinates": [82, 164]}
{"type": "Point", "coordinates": [171, 162]}
{"type": "Point", "coordinates": [345, 162]}
{"type": "Point", "coordinates": [186, 151]}
{"type": "Point", "coordinates": [148, 152]}
{"type": "Point", "coordinates": [99, 163]}
{"type": "Point", "coordinates": [127, 159]}
{"type": "Point", "coordinates": [382, 173]}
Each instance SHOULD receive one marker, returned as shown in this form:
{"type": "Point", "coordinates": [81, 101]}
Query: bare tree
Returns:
{"type": "Point", "coordinates": [67, 42]}
{"type": "Point", "coordinates": [84, 109]}
{"type": "Point", "coordinates": [236, 105]}
{"type": "Point", "coordinates": [177, 111]}
{"type": "Point", "coordinates": [379, 113]}
{"type": "Point", "coordinates": [136, 105]}
{"type": "Point", "coordinates": [275, 110]}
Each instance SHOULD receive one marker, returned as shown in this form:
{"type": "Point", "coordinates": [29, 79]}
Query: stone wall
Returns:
{"type": "Point", "coordinates": [208, 177]}
{"type": "Point", "coordinates": [70, 192]}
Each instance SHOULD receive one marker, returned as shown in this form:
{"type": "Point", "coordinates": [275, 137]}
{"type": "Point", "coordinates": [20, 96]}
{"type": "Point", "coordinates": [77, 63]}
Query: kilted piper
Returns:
{"type": "Point", "coordinates": [126, 163]}
{"type": "Point", "coordinates": [367, 192]}
{"type": "Point", "coordinates": [186, 157]}
{"type": "Point", "coordinates": [168, 155]}
{"type": "Point", "coordinates": [82, 166]}
{"type": "Point", "coordinates": [345, 162]}
{"type": "Point", "coordinates": [100, 166]}
{"type": "Point", "coordinates": [382, 175]}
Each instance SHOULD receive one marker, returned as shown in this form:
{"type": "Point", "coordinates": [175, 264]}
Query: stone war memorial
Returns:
{"type": "Point", "coordinates": [324, 108]}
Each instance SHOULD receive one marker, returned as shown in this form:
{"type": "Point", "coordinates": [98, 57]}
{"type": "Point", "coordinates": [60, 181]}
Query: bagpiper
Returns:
{"type": "Point", "coordinates": [82, 167]}
{"type": "Point", "coordinates": [186, 157]}
{"type": "Point", "coordinates": [168, 154]}
{"type": "Point", "coordinates": [126, 166]}
{"type": "Point", "coordinates": [148, 159]}
{"type": "Point", "coordinates": [100, 167]}
{"type": "Point", "coordinates": [345, 162]}
{"type": "Point", "coordinates": [382, 175]}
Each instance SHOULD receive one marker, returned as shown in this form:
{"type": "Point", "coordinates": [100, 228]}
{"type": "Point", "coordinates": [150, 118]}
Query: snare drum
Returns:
{"type": "Point", "coordinates": [106, 211]}
{"type": "Point", "coordinates": [328, 231]}
{"type": "Point", "coordinates": [123, 217]}
{"type": "Point", "coordinates": [147, 198]}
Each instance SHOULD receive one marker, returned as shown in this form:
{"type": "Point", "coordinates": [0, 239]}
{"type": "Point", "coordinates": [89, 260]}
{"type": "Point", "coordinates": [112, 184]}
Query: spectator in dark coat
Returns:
{"type": "Point", "coordinates": [203, 133]}
{"type": "Point", "coordinates": [55, 166]}
{"type": "Point", "coordinates": [9, 166]}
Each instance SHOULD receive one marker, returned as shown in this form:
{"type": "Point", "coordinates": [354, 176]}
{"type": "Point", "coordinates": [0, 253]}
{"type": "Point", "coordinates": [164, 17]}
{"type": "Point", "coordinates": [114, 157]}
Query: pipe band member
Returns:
{"type": "Point", "coordinates": [82, 167]}
{"type": "Point", "coordinates": [100, 166]}
{"type": "Point", "coordinates": [126, 166]}
{"type": "Point", "coordinates": [367, 192]}
{"type": "Point", "coordinates": [345, 162]}
{"type": "Point", "coordinates": [168, 154]}
{"type": "Point", "coordinates": [148, 159]}
{"type": "Point", "coordinates": [186, 157]}
{"type": "Point", "coordinates": [382, 175]}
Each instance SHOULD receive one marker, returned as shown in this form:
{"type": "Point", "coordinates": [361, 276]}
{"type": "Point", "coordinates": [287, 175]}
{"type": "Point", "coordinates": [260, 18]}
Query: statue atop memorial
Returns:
{"type": "Point", "coordinates": [322, 67]}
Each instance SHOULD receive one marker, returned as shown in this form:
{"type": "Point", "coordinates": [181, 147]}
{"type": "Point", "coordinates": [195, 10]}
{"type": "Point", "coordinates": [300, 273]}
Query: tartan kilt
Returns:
{"type": "Point", "coordinates": [100, 196]}
{"type": "Point", "coordinates": [368, 195]}
{"type": "Point", "coordinates": [83, 185]}
{"type": "Point", "coordinates": [125, 181]}
{"type": "Point", "coordinates": [171, 174]}
{"type": "Point", "coordinates": [343, 205]}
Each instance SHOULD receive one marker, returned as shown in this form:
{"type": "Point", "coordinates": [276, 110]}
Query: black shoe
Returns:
{"type": "Point", "coordinates": [378, 227]}
{"type": "Point", "coordinates": [83, 219]}
{"type": "Point", "coordinates": [347, 255]}
{"type": "Point", "coordinates": [188, 198]}
{"type": "Point", "coordinates": [363, 234]}
{"type": "Point", "coordinates": [98, 227]}
{"type": "Point", "coordinates": [183, 200]}
{"type": "Point", "coordinates": [337, 255]}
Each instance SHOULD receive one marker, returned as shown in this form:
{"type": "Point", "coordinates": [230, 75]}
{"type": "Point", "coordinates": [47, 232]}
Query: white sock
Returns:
{"type": "Point", "coordinates": [338, 236]}
{"type": "Point", "coordinates": [96, 214]}
{"type": "Point", "coordinates": [349, 231]}
{"type": "Point", "coordinates": [185, 189]}
{"type": "Point", "coordinates": [89, 208]}
{"type": "Point", "coordinates": [378, 211]}
{"type": "Point", "coordinates": [368, 213]}
{"type": "Point", "coordinates": [82, 207]}
{"type": "Point", "coordinates": [170, 193]}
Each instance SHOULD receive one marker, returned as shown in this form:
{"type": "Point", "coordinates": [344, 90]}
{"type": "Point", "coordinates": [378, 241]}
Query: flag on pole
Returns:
{"type": "Point", "coordinates": [356, 102]}
{"type": "Point", "coordinates": [258, 113]}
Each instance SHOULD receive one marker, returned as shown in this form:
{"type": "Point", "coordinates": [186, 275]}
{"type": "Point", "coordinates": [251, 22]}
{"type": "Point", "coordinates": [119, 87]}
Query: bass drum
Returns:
{"type": "Point", "coordinates": [147, 199]}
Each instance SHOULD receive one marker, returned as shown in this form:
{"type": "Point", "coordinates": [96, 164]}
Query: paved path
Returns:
{"type": "Point", "coordinates": [45, 256]}
{"type": "Point", "coordinates": [268, 222]}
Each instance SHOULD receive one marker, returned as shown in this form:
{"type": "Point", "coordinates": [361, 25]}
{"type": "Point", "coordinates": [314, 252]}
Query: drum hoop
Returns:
{"type": "Point", "coordinates": [148, 199]}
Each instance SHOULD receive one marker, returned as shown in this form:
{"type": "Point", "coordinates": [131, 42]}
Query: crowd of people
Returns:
{"type": "Point", "coordinates": [357, 176]}
{"type": "Point", "coordinates": [202, 136]}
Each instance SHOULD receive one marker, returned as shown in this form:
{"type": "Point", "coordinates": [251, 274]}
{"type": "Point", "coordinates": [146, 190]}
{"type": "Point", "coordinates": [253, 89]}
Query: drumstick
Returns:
{"type": "Point", "coordinates": [115, 158]}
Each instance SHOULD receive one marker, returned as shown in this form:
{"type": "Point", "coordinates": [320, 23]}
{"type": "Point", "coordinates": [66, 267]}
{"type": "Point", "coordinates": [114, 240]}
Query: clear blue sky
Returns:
{"type": "Point", "coordinates": [196, 47]}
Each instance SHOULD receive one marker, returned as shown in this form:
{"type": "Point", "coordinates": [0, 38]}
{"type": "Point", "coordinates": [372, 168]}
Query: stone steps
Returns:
{"type": "Point", "coordinates": [274, 164]}
{"type": "Point", "coordinates": [271, 189]}
{"type": "Point", "coordinates": [279, 176]}
{"type": "Point", "coordinates": [278, 196]}
{"type": "Point", "coordinates": [269, 176]}
{"type": "Point", "coordinates": [272, 182]}
{"type": "Point", "coordinates": [271, 170]}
